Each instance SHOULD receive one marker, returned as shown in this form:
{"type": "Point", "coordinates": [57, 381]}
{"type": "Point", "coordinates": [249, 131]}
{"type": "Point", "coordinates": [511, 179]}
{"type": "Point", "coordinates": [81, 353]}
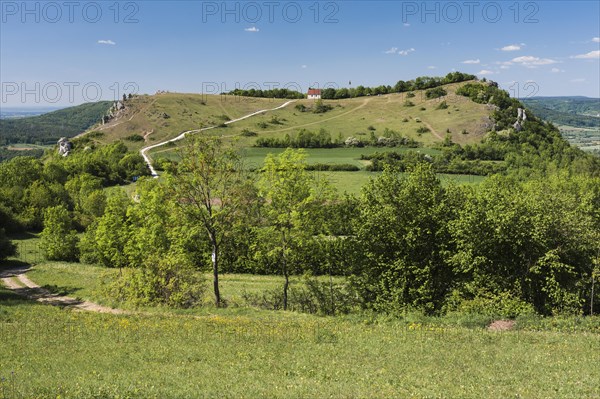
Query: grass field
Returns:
{"type": "Point", "coordinates": [241, 352]}
{"type": "Point", "coordinates": [349, 182]}
{"type": "Point", "coordinates": [23, 147]}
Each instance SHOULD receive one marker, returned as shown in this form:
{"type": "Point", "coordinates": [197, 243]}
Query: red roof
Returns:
{"type": "Point", "coordinates": [314, 92]}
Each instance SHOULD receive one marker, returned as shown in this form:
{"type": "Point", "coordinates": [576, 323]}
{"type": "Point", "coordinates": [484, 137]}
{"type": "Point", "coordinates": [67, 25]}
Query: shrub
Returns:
{"type": "Point", "coordinates": [249, 133]}
{"type": "Point", "coordinates": [435, 93]}
{"type": "Point", "coordinates": [502, 305]}
{"type": "Point", "coordinates": [262, 125]}
{"type": "Point", "coordinates": [409, 103]}
{"type": "Point", "coordinates": [275, 121]}
{"type": "Point", "coordinates": [410, 94]}
{"type": "Point", "coordinates": [7, 248]}
{"type": "Point", "coordinates": [161, 280]}
{"type": "Point", "coordinates": [333, 167]}
{"type": "Point", "coordinates": [321, 107]}
{"type": "Point", "coordinates": [310, 296]}
{"type": "Point", "coordinates": [134, 137]}
{"type": "Point", "coordinates": [95, 134]}
{"type": "Point", "coordinates": [423, 129]}
{"type": "Point", "coordinates": [58, 240]}
{"type": "Point", "coordinates": [442, 105]}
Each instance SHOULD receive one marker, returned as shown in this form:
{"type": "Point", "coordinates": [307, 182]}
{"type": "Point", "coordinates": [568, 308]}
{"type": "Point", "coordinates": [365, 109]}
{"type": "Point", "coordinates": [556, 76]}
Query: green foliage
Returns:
{"type": "Point", "coordinates": [309, 296]}
{"type": "Point", "coordinates": [6, 154]}
{"type": "Point", "coordinates": [274, 93]}
{"type": "Point", "coordinates": [442, 105]}
{"type": "Point", "coordinates": [502, 305]}
{"type": "Point", "coordinates": [303, 139]}
{"type": "Point", "coordinates": [572, 111]}
{"type": "Point", "coordinates": [293, 199]}
{"type": "Point", "coordinates": [104, 241]}
{"type": "Point", "coordinates": [212, 190]}
{"type": "Point", "coordinates": [165, 279]}
{"type": "Point", "coordinates": [533, 239]}
{"type": "Point", "coordinates": [48, 128]}
{"type": "Point", "coordinates": [420, 83]}
{"type": "Point", "coordinates": [134, 137]}
{"type": "Point", "coordinates": [58, 240]}
{"type": "Point", "coordinates": [249, 133]}
{"type": "Point", "coordinates": [402, 232]}
{"type": "Point", "coordinates": [7, 248]}
{"type": "Point", "coordinates": [320, 107]}
{"type": "Point", "coordinates": [333, 167]}
{"type": "Point", "coordinates": [435, 93]}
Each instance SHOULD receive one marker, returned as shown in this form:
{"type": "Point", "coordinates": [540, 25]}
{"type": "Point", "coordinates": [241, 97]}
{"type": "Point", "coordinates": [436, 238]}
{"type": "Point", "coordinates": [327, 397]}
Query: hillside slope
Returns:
{"type": "Point", "coordinates": [164, 116]}
{"type": "Point", "coordinates": [48, 128]}
{"type": "Point", "coordinates": [571, 111]}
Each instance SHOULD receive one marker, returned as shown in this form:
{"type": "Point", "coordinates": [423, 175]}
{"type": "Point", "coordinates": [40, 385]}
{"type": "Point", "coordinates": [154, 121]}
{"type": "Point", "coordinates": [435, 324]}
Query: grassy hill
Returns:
{"type": "Point", "coordinates": [164, 116]}
{"type": "Point", "coordinates": [48, 128]}
{"type": "Point", "coordinates": [149, 120]}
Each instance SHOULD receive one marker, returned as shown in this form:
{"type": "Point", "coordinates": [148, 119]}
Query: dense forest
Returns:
{"type": "Point", "coordinates": [525, 241]}
{"type": "Point", "coordinates": [48, 128]}
{"type": "Point", "coordinates": [571, 111]}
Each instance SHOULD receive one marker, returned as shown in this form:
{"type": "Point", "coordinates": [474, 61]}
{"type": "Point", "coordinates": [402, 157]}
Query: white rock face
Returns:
{"type": "Point", "coordinates": [521, 117]}
{"type": "Point", "coordinates": [64, 147]}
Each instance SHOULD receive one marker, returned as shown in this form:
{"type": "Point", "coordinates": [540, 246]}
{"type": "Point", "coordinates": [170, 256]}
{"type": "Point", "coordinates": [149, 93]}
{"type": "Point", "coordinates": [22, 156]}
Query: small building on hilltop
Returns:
{"type": "Point", "coordinates": [314, 94]}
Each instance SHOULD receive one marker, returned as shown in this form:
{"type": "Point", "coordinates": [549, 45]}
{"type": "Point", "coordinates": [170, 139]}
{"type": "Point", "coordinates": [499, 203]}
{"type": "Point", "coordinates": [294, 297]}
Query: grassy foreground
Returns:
{"type": "Point", "coordinates": [49, 353]}
{"type": "Point", "coordinates": [240, 352]}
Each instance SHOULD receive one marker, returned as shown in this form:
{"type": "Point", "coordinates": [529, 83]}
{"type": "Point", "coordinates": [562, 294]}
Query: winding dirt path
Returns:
{"type": "Point", "coordinates": [16, 280]}
{"type": "Point", "coordinates": [144, 151]}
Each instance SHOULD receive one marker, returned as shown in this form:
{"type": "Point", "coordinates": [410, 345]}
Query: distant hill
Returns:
{"type": "Point", "coordinates": [48, 128]}
{"type": "Point", "coordinates": [151, 119]}
{"type": "Point", "coordinates": [571, 111]}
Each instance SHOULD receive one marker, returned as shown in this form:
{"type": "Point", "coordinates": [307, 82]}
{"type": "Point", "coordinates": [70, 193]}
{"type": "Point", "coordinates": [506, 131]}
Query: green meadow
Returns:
{"type": "Point", "coordinates": [245, 352]}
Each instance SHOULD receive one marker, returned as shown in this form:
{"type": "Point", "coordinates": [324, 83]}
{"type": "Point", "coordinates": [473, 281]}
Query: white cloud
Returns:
{"type": "Point", "coordinates": [253, 29]}
{"type": "Point", "coordinates": [578, 80]}
{"type": "Point", "coordinates": [504, 67]}
{"type": "Point", "coordinates": [592, 55]}
{"type": "Point", "coordinates": [596, 39]}
{"type": "Point", "coordinates": [477, 61]}
{"type": "Point", "coordinates": [406, 52]}
{"type": "Point", "coordinates": [304, 66]}
{"type": "Point", "coordinates": [532, 62]}
{"type": "Point", "coordinates": [556, 70]}
{"type": "Point", "coordinates": [406, 24]}
{"type": "Point", "coordinates": [109, 42]}
{"type": "Point", "coordinates": [393, 50]}
{"type": "Point", "coordinates": [485, 72]}
{"type": "Point", "coordinates": [431, 67]}
{"type": "Point", "coordinates": [512, 47]}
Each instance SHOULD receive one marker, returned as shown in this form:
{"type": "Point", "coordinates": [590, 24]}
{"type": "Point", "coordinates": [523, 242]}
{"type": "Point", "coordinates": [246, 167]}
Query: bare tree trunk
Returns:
{"type": "Point", "coordinates": [592, 296]}
{"type": "Point", "coordinates": [286, 284]}
{"type": "Point", "coordinates": [215, 263]}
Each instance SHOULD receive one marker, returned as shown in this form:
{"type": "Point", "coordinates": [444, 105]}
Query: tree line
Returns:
{"type": "Point", "coordinates": [48, 128]}
{"type": "Point", "coordinates": [525, 240]}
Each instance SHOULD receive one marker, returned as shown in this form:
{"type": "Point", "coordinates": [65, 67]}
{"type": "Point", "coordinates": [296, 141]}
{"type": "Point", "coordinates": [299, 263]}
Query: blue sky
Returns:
{"type": "Point", "coordinates": [57, 54]}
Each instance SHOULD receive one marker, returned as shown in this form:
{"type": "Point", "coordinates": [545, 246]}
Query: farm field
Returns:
{"type": "Point", "coordinates": [246, 352]}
